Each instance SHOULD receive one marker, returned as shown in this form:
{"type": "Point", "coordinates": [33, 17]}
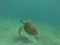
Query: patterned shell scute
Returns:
{"type": "Point", "coordinates": [29, 28]}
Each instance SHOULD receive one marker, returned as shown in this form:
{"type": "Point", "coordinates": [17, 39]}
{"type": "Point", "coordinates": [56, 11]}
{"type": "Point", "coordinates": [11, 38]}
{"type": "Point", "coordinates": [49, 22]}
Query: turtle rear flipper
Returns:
{"type": "Point", "coordinates": [36, 37]}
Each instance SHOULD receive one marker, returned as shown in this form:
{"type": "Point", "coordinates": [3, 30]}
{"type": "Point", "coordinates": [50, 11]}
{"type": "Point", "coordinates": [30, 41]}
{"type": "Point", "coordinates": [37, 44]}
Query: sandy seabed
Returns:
{"type": "Point", "coordinates": [9, 35]}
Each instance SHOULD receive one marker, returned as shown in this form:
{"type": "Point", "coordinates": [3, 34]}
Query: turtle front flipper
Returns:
{"type": "Point", "coordinates": [19, 31]}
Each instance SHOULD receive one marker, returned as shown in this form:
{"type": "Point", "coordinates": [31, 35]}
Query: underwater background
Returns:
{"type": "Point", "coordinates": [44, 14]}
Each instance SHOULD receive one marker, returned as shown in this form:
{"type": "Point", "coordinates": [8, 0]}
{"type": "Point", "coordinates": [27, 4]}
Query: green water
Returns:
{"type": "Point", "coordinates": [44, 14]}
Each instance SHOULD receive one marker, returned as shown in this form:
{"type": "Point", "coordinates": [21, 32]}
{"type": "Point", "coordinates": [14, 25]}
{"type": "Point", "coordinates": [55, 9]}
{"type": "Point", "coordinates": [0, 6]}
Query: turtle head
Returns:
{"type": "Point", "coordinates": [22, 21]}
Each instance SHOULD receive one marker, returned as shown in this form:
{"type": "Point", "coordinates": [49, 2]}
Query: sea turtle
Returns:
{"type": "Point", "coordinates": [29, 28]}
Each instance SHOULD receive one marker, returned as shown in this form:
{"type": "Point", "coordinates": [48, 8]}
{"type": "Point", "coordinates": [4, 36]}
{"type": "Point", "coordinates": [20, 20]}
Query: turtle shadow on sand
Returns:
{"type": "Point", "coordinates": [23, 39]}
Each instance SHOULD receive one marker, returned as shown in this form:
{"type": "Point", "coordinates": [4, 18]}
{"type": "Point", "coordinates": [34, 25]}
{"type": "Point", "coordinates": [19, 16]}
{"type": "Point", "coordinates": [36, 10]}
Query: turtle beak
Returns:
{"type": "Point", "coordinates": [21, 21]}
